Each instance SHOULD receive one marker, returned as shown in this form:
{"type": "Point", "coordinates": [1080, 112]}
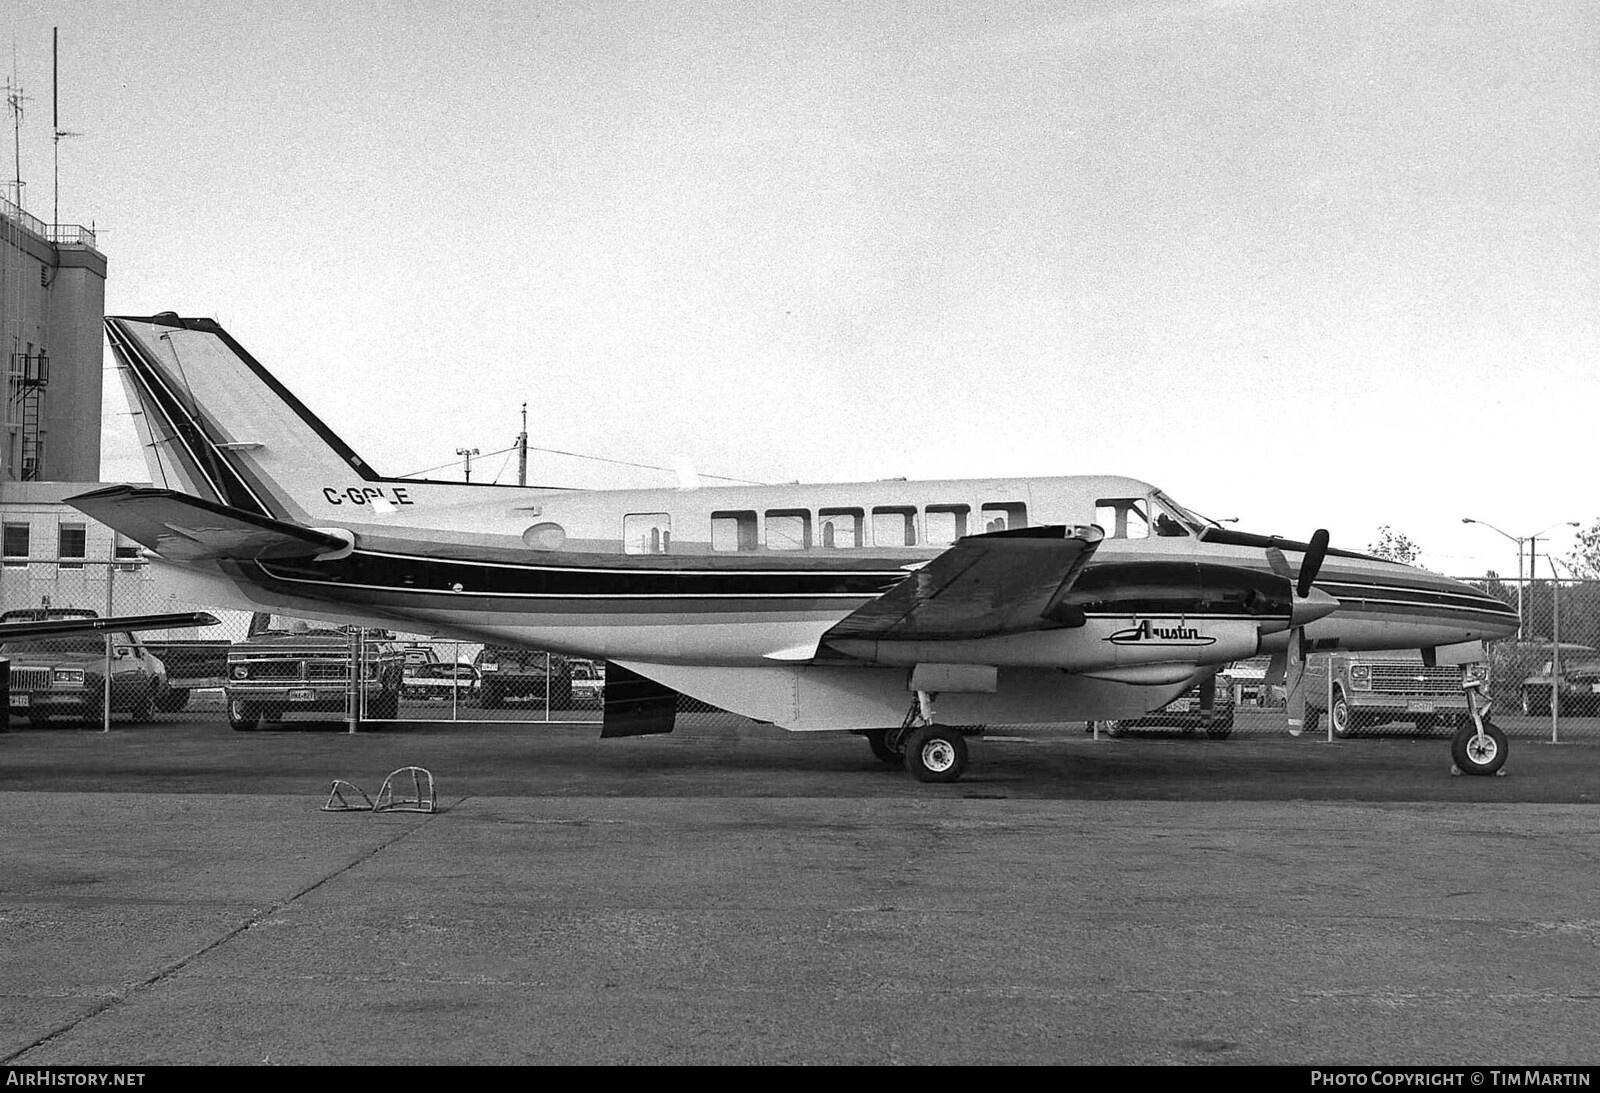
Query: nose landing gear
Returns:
{"type": "Point", "coordinates": [1479, 747]}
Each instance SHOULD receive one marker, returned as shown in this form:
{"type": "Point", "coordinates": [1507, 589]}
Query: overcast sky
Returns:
{"type": "Point", "coordinates": [1308, 264]}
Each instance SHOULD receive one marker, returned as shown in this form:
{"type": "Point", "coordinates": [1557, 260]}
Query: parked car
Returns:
{"type": "Point", "coordinates": [430, 682]}
{"type": "Point", "coordinates": [512, 673]}
{"type": "Point", "coordinates": [588, 683]}
{"type": "Point", "coordinates": [66, 676]}
{"type": "Point", "coordinates": [288, 666]}
{"type": "Point", "coordinates": [1578, 690]}
{"type": "Point", "coordinates": [1250, 687]}
{"type": "Point", "coordinates": [1185, 713]}
{"type": "Point", "coordinates": [417, 656]}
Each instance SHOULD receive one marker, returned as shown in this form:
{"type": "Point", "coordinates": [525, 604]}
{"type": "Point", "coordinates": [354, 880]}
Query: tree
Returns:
{"type": "Point", "coordinates": [1395, 546]}
{"type": "Point", "coordinates": [1584, 561]}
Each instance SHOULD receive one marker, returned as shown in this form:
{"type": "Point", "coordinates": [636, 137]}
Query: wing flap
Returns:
{"type": "Point", "coordinates": [1000, 583]}
{"type": "Point", "coordinates": [183, 528]}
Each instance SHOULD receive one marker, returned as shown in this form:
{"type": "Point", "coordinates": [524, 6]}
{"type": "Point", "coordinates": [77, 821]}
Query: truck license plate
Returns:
{"type": "Point", "coordinates": [19, 700]}
{"type": "Point", "coordinates": [1595, 687]}
{"type": "Point", "coordinates": [301, 696]}
{"type": "Point", "coordinates": [1419, 707]}
{"type": "Point", "coordinates": [1180, 705]}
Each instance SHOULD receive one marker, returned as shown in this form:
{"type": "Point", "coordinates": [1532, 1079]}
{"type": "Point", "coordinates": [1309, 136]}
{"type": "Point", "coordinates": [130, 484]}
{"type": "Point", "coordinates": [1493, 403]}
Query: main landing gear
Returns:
{"type": "Point", "coordinates": [1479, 746]}
{"type": "Point", "coordinates": [932, 753]}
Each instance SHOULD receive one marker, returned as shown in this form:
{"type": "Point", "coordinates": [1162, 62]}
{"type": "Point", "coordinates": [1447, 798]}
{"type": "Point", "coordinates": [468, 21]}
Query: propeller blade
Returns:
{"type": "Point", "coordinates": [1277, 670]}
{"type": "Point", "coordinates": [1295, 697]}
{"type": "Point", "coordinates": [1311, 564]}
{"type": "Point", "coordinates": [1279, 564]}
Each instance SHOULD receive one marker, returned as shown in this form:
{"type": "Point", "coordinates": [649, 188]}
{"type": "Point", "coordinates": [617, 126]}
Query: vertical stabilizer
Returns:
{"type": "Point", "coordinates": [216, 424]}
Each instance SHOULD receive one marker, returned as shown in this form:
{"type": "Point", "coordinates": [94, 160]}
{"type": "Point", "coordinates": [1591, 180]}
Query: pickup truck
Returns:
{"type": "Point", "coordinates": [1369, 689]}
{"type": "Point", "coordinates": [66, 676]}
{"type": "Point", "coordinates": [289, 666]}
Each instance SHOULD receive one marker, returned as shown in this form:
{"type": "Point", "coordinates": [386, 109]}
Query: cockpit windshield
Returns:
{"type": "Point", "coordinates": [1141, 517]}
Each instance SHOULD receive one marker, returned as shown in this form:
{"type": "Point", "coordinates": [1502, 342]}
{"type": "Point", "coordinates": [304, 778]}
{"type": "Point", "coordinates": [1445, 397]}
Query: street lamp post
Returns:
{"type": "Point", "coordinates": [1533, 546]}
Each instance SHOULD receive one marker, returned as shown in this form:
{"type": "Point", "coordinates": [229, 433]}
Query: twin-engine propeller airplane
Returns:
{"type": "Point", "coordinates": [899, 610]}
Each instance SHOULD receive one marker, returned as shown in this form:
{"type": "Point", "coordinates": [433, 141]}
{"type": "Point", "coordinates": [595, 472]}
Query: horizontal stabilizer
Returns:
{"type": "Point", "coordinates": [1000, 583]}
{"type": "Point", "coordinates": [183, 528]}
{"type": "Point", "coordinates": [50, 627]}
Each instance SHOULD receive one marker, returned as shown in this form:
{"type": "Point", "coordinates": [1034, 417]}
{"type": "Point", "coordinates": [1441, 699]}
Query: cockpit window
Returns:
{"type": "Point", "coordinates": [1122, 517]}
{"type": "Point", "coordinates": [1186, 521]}
{"type": "Point", "coordinates": [1141, 517]}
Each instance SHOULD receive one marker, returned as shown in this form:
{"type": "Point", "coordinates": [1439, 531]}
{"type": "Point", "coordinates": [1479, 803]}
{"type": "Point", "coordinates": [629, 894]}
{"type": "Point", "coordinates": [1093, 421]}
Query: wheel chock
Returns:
{"type": "Point", "coordinates": [338, 802]}
{"type": "Point", "coordinates": [421, 798]}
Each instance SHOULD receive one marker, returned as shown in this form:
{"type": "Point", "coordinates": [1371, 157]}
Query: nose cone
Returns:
{"type": "Point", "coordinates": [1312, 606]}
{"type": "Point", "coordinates": [1386, 605]}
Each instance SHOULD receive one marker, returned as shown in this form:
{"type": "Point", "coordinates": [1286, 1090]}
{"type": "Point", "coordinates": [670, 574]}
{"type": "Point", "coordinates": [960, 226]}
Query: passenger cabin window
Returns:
{"type": "Point", "coordinates": [840, 529]}
{"type": "Point", "coordinates": [894, 527]}
{"type": "Point", "coordinates": [1004, 517]}
{"type": "Point", "coordinates": [733, 531]}
{"type": "Point", "coordinates": [647, 533]}
{"type": "Point", "coordinates": [944, 524]}
{"type": "Point", "coordinates": [788, 529]}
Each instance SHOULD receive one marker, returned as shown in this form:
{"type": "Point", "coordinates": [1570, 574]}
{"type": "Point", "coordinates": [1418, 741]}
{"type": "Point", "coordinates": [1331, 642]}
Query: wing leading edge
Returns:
{"type": "Point", "coordinates": [183, 528]}
{"type": "Point", "coordinates": [1003, 582]}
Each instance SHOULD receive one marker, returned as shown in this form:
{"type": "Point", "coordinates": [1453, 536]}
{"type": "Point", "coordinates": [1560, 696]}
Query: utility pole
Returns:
{"type": "Point", "coordinates": [467, 454]}
{"type": "Point", "coordinates": [522, 449]}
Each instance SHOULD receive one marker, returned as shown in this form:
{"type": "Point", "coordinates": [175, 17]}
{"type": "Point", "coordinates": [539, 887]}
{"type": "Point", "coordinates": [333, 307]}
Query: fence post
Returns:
{"type": "Point", "coordinates": [352, 697]}
{"type": "Point", "coordinates": [105, 689]}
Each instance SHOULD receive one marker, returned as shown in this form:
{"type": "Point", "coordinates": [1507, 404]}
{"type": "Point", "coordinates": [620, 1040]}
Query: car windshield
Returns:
{"type": "Point", "coordinates": [526, 658]}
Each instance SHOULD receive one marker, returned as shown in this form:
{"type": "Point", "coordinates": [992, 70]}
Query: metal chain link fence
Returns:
{"type": "Point", "coordinates": [251, 672]}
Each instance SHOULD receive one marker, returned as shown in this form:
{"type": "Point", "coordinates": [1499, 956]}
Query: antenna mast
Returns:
{"type": "Point", "coordinates": [55, 118]}
{"type": "Point", "coordinates": [522, 449]}
{"type": "Point", "coordinates": [14, 99]}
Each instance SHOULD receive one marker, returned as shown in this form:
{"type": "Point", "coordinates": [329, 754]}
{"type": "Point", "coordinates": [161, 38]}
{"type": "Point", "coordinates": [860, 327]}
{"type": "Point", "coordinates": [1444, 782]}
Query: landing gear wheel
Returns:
{"type": "Point", "coordinates": [1474, 754]}
{"type": "Point", "coordinates": [935, 753]}
{"type": "Point", "coordinates": [1220, 730]}
{"type": "Point", "coordinates": [242, 716]}
{"type": "Point", "coordinates": [889, 745]}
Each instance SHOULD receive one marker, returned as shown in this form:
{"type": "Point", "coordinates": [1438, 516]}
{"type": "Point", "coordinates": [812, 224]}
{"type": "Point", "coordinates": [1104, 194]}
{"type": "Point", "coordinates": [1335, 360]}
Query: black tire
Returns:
{"type": "Point", "coordinates": [243, 716]}
{"type": "Point", "coordinates": [1221, 728]}
{"type": "Point", "coordinates": [888, 745]}
{"type": "Point", "coordinates": [384, 706]}
{"type": "Point", "coordinates": [171, 699]}
{"type": "Point", "coordinates": [936, 753]}
{"type": "Point", "coordinates": [145, 707]}
{"type": "Point", "coordinates": [1534, 705]}
{"type": "Point", "coordinates": [1344, 720]}
{"type": "Point", "coordinates": [1475, 756]}
{"type": "Point", "coordinates": [1114, 728]}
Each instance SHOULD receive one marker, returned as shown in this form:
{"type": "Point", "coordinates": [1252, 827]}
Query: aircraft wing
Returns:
{"type": "Point", "coordinates": [999, 583]}
{"type": "Point", "coordinates": [190, 529]}
{"type": "Point", "coordinates": [48, 627]}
